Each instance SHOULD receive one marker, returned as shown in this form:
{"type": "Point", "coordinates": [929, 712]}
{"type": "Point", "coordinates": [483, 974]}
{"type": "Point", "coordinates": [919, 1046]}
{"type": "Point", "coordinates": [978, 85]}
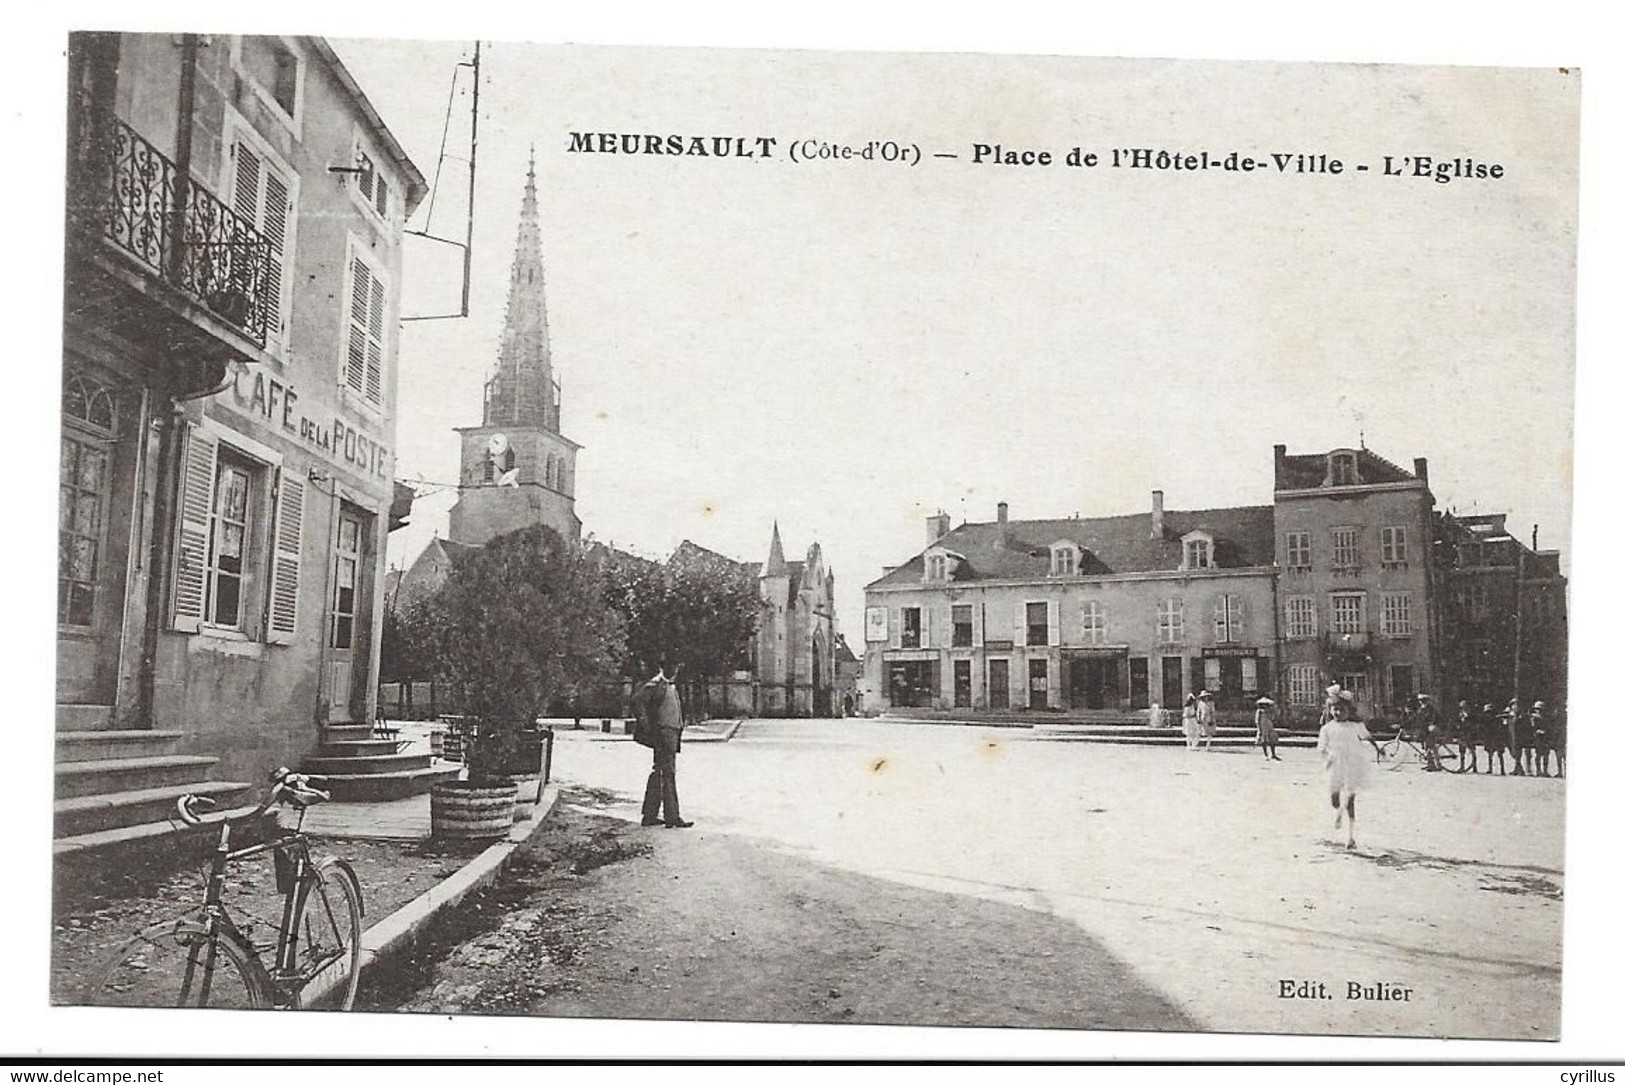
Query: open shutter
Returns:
{"type": "Point", "coordinates": [275, 227]}
{"type": "Point", "coordinates": [1238, 618]}
{"type": "Point", "coordinates": [977, 633]}
{"type": "Point", "coordinates": [192, 542]}
{"type": "Point", "coordinates": [285, 551]}
{"type": "Point", "coordinates": [1054, 619]}
{"type": "Point", "coordinates": [355, 363]}
{"type": "Point", "coordinates": [1219, 631]}
{"type": "Point", "coordinates": [1018, 636]}
{"type": "Point", "coordinates": [375, 339]}
{"type": "Point", "coordinates": [894, 628]}
{"type": "Point", "coordinates": [925, 625]}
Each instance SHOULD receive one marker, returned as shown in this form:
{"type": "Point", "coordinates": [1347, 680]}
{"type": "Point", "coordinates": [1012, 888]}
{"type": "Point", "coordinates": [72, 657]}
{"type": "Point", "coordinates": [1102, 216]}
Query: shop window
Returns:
{"type": "Point", "coordinates": [962, 626]}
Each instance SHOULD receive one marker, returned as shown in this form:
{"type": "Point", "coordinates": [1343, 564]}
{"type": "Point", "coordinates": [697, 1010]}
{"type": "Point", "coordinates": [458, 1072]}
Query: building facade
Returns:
{"type": "Point", "coordinates": [1113, 613]}
{"type": "Point", "coordinates": [1504, 610]}
{"type": "Point", "coordinates": [233, 264]}
{"type": "Point", "coordinates": [1359, 587]}
{"type": "Point", "coordinates": [517, 468]}
{"type": "Point", "coordinates": [794, 657]}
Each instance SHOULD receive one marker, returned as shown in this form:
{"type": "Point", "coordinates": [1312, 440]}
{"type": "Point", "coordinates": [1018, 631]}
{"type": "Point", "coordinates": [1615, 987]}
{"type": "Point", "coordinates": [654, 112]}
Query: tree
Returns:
{"type": "Point", "coordinates": [518, 622]}
{"type": "Point", "coordinates": [698, 611]}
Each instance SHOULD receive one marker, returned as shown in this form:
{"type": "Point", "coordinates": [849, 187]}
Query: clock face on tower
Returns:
{"type": "Point", "coordinates": [498, 444]}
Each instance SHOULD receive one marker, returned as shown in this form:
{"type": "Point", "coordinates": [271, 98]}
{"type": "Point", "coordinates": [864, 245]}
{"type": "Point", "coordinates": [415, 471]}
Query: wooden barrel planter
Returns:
{"type": "Point", "coordinates": [463, 810]}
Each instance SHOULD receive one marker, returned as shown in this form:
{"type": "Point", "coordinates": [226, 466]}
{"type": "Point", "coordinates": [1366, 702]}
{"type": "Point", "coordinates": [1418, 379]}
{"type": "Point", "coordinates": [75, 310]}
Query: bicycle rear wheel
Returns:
{"type": "Point", "coordinates": [1398, 753]}
{"type": "Point", "coordinates": [179, 963]}
{"type": "Point", "coordinates": [327, 924]}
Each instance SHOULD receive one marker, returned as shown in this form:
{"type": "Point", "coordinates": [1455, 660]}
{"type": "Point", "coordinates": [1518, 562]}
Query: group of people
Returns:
{"type": "Point", "coordinates": [1534, 738]}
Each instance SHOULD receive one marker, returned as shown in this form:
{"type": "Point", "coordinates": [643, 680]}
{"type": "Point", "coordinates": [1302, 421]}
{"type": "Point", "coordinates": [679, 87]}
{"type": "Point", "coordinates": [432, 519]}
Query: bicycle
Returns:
{"type": "Point", "coordinates": [1402, 750]}
{"type": "Point", "coordinates": [203, 958]}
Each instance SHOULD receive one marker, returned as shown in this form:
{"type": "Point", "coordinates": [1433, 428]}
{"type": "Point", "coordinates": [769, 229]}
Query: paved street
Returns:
{"type": "Point", "coordinates": [861, 871]}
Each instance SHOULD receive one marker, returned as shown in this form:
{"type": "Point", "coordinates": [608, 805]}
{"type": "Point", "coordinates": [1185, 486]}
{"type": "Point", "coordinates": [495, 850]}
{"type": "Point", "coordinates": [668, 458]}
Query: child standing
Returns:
{"type": "Point", "coordinates": [1264, 720]}
{"type": "Point", "coordinates": [1348, 767]}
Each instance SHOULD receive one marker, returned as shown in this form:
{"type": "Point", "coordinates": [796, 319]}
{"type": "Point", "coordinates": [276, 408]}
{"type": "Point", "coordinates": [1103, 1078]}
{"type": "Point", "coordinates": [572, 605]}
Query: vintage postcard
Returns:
{"type": "Point", "coordinates": [814, 537]}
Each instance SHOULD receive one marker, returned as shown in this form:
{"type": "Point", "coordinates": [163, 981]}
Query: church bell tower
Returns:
{"type": "Point", "coordinates": [517, 468]}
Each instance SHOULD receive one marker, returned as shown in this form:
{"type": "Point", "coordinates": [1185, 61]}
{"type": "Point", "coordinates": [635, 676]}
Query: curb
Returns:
{"type": "Point", "coordinates": [401, 928]}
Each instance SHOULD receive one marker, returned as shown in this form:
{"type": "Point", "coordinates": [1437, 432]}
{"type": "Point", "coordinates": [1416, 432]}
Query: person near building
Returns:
{"type": "Point", "coordinates": [1188, 720]}
{"type": "Point", "coordinates": [1517, 735]}
{"type": "Point", "coordinates": [1467, 737]}
{"type": "Point", "coordinates": [1348, 767]}
{"type": "Point", "coordinates": [1425, 724]}
{"type": "Point", "coordinates": [1540, 737]}
{"type": "Point", "coordinates": [1495, 739]}
{"type": "Point", "coordinates": [1207, 719]}
{"type": "Point", "coordinates": [1264, 720]}
{"type": "Point", "coordinates": [1560, 742]}
{"type": "Point", "coordinates": [658, 702]}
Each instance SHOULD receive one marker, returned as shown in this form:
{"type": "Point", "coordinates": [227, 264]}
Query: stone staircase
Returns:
{"type": "Point", "coordinates": [357, 766]}
{"type": "Point", "coordinates": [117, 785]}
{"type": "Point", "coordinates": [1128, 731]}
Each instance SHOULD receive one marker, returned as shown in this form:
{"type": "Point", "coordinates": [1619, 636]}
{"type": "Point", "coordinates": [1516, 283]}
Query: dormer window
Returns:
{"type": "Point", "coordinates": [936, 567]}
{"type": "Point", "coordinates": [1343, 469]}
{"type": "Point", "coordinates": [1198, 551]}
{"type": "Point", "coordinates": [1063, 559]}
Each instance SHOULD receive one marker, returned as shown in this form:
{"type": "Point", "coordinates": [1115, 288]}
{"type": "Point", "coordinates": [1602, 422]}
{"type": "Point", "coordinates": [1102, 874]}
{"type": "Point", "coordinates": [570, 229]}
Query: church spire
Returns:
{"type": "Point", "coordinates": [775, 556]}
{"type": "Point", "coordinates": [522, 391]}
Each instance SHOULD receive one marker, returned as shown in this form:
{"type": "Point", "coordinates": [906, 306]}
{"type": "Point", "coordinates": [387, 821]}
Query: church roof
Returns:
{"type": "Point", "coordinates": [522, 392]}
{"type": "Point", "coordinates": [775, 556]}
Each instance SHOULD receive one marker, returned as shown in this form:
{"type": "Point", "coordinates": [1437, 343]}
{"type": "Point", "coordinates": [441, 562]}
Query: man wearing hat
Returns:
{"type": "Point", "coordinates": [1517, 735]}
{"type": "Point", "coordinates": [1207, 719]}
{"type": "Point", "coordinates": [1426, 722]}
{"type": "Point", "coordinates": [1495, 740]}
{"type": "Point", "coordinates": [1467, 737]}
{"type": "Point", "coordinates": [1540, 737]}
{"type": "Point", "coordinates": [1264, 720]}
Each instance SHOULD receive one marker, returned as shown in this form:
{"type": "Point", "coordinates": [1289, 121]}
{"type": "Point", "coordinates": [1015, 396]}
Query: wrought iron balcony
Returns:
{"type": "Point", "coordinates": [123, 191]}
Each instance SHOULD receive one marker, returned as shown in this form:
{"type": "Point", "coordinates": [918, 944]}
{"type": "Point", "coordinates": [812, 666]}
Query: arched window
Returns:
{"type": "Point", "coordinates": [553, 470]}
{"type": "Point", "coordinates": [89, 421]}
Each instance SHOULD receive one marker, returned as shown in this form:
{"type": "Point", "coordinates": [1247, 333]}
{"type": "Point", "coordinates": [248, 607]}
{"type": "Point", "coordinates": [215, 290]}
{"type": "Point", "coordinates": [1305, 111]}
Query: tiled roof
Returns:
{"type": "Point", "coordinates": [1243, 537]}
{"type": "Point", "coordinates": [1307, 472]}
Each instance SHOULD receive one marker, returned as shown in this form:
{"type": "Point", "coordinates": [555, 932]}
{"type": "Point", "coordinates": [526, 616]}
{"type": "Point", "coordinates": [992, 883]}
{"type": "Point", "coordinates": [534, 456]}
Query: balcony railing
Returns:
{"type": "Point", "coordinates": [126, 192]}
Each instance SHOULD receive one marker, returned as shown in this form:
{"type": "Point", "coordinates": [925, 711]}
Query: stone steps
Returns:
{"type": "Point", "coordinates": [77, 779]}
{"type": "Point", "coordinates": [358, 747]}
{"type": "Point", "coordinates": [130, 834]}
{"type": "Point", "coordinates": [364, 764]}
{"type": "Point", "coordinates": [101, 745]}
{"type": "Point", "coordinates": [386, 786]}
{"type": "Point", "coordinates": [1151, 737]}
{"type": "Point", "coordinates": [90, 814]}
{"type": "Point", "coordinates": [346, 732]}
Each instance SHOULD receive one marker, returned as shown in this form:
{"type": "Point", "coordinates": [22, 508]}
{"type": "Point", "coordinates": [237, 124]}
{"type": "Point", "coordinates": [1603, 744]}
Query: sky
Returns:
{"type": "Point", "coordinates": [845, 347]}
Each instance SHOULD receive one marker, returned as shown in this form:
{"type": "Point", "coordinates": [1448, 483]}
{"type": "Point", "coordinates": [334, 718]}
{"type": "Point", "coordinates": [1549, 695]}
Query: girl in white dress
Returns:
{"type": "Point", "coordinates": [1188, 721]}
{"type": "Point", "coordinates": [1348, 767]}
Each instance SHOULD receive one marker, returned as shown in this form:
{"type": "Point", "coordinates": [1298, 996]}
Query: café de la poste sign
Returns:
{"type": "Point", "coordinates": [275, 402]}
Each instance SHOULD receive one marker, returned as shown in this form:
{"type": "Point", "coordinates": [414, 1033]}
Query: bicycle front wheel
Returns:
{"type": "Point", "coordinates": [181, 963]}
{"type": "Point", "coordinates": [327, 925]}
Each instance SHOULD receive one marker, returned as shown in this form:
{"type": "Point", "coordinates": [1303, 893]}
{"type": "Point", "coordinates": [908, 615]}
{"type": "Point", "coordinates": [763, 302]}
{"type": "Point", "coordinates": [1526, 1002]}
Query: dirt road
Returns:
{"type": "Point", "coordinates": [604, 918]}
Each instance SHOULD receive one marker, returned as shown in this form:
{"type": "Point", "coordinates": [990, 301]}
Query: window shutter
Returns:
{"type": "Point", "coordinates": [285, 551]}
{"type": "Point", "coordinates": [895, 627]}
{"type": "Point", "coordinates": [246, 197]}
{"type": "Point", "coordinates": [355, 367]}
{"type": "Point", "coordinates": [375, 340]}
{"type": "Point", "coordinates": [1053, 616]}
{"type": "Point", "coordinates": [192, 544]}
{"type": "Point", "coordinates": [925, 626]}
{"type": "Point", "coordinates": [976, 631]}
{"type": "Point", "coordinates": [1219, 620]}
{"type": "Point", "coordinates": [1019, 636]}
{"type": "Point", "coordinates": [276, 213]}
{"type": "Point", "coordinates": [1238, 618]}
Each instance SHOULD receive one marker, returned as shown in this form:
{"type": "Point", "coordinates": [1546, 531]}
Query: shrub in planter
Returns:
{"type": "Point", "coordinates": [517, 623]}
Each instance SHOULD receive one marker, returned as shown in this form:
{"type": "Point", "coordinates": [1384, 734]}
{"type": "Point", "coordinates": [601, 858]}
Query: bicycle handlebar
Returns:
{"type": "Point", "coordinates": [286, 786]}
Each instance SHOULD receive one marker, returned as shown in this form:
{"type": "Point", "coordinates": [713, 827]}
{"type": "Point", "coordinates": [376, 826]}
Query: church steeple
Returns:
{"type": "Point", "coordinates": [522, 391]}
{"type": "Point", "coordinates": [775, 556]}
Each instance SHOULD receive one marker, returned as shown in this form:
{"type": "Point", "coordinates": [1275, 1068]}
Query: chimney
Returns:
{"type": "Point", "coordinates": [1004, 512]}
{"type": "Point", "coordinates": [936, 527]}
{"type": "Point", "coordinates": [1534, 539]}
{"type": "Point", "coordinates": [1421, 468]}
{"type": "Point", "coordinates": [1156, 514]}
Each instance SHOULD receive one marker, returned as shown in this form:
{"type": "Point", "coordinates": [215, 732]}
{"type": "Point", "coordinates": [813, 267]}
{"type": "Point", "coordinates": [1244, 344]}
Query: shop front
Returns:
{"type": "Point", "coordinates": [912, 679]}
{"type": "Point", "coordinates": [1095, 677]}
{"type": "Point", "coordinates": [1235, 676]}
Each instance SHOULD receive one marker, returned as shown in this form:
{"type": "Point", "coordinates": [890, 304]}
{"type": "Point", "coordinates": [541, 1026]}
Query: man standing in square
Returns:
{"type": "Point", "coordinates": [659, 708]}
